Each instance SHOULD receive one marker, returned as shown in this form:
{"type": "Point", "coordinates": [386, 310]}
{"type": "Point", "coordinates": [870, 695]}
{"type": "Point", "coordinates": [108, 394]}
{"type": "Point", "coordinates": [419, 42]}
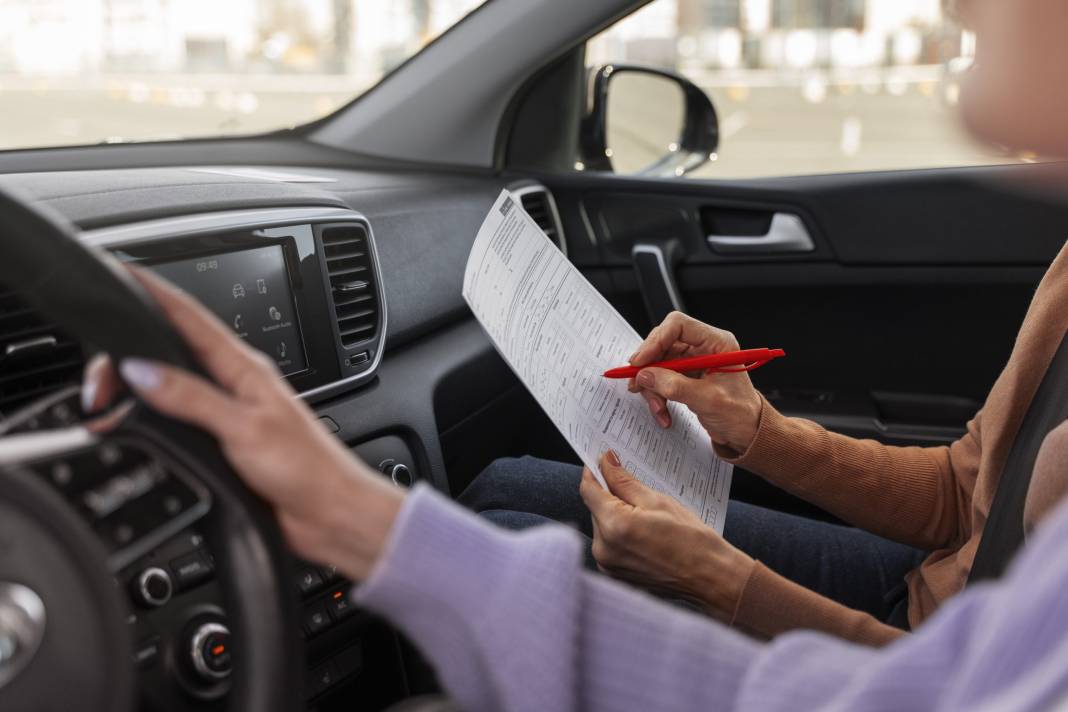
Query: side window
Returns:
{"type": "Point", "coordinates": [799, 86]}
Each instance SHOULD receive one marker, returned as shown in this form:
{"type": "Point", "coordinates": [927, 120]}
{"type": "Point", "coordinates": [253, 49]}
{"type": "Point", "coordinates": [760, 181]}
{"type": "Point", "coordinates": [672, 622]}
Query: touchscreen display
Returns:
{"type": "Point", "coordinates": [249, 290]}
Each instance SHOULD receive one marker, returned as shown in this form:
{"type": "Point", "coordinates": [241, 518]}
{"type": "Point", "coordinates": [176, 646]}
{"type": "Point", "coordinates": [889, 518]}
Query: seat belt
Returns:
{"type": "Point", "coordinates": [1003, 534]}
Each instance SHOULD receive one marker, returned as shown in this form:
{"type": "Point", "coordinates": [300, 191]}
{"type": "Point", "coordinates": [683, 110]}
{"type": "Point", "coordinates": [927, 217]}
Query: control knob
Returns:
{"type": "Point", "coordinates": [210, 651]}
{"type": "Point", "coordinates": [153, 587]}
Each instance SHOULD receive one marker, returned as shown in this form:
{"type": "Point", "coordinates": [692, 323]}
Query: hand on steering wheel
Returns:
{"type": "Point", "coordinates": [332, 508]}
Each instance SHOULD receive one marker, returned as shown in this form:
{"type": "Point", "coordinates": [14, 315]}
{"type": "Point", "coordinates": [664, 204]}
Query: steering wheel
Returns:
{"type": "Point", "coordinates": [77, 507]}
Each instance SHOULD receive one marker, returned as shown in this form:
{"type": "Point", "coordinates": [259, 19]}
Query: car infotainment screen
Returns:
{"type": "Point", "coordinates": [250, 291]}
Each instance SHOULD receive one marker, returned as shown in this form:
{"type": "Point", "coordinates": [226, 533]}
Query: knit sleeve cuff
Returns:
{"type": "Point", "coordinates": [780, 444]}
{"type": "Point", "coordinates": [448, 579]}
{"type": "Point", "coordinates": [771, 604]}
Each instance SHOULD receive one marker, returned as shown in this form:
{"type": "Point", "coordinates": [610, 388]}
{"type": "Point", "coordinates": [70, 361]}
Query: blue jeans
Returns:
{"type": "Point", "coordinates": [848, 565]}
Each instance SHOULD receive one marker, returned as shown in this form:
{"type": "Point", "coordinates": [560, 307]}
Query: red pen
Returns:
{"type": "Point", "coordinates": [747, 360]}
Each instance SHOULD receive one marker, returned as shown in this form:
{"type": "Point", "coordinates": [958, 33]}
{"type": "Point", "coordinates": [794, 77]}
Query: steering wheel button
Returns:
{"type": "Point", "coordinates": [110, 455]}
{"type": "Point", "coordinates": [147, 653]}
{"type": "Point", "coordinates": [190, 569]}
{"type": "Point", "coordinates": [62, 473]}
{"type": "Point", "coordinates": [123, 534]}
{"type": "Point", "coordinates": [309, 580]}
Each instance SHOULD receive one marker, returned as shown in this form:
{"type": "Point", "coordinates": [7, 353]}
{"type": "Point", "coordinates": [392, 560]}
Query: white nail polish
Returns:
{"type": "Point", "coordinates": [89, 389]}
{"type": "Point", "coordinates": [142, 375]}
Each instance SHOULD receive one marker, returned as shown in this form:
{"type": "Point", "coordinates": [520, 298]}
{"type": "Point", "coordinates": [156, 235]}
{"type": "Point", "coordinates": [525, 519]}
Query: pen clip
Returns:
{"type": "Point", "coordinates": [742, 369]}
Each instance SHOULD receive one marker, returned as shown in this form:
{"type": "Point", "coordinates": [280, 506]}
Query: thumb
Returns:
{"type": "Point", "coordinates": [670, 385]}
{"type": "Point", "coordinates": [623, 484]}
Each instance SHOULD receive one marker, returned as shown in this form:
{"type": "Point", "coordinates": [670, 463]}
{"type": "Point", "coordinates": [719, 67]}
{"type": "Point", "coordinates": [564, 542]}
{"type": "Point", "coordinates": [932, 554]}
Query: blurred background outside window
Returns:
{"type": "Point", "coordinates": [89, 71]}
{"type": "Point", "coordinates": [808, 86]}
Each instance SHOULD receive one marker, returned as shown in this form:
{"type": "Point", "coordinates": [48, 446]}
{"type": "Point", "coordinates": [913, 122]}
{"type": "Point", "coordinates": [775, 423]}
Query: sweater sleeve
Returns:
{"type": "Point", "coordinates": [915, 495]}
{"type": "Point", "coordinates": [513, 623]}
{"type": "Point", "coordinates": [771, 605]}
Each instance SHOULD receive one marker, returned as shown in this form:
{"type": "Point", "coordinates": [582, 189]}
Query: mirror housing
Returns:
{"type": "Point", "coordinates": [694, 147]}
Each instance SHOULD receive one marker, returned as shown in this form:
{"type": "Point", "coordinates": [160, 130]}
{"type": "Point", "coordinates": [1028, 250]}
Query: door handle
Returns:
{"type": "Point", "coordinates": [787, 233]}
{"type": "Point", "coordinates": [654, 267]}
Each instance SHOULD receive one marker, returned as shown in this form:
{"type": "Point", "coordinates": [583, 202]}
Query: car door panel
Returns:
{"type": "Point", "coordinates": [896, 322]}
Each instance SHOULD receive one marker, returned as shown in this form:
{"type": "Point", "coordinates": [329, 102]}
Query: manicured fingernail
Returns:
{"type": "Point", "coordinates": [633, 356]}
{"type": "Point", "coordinates": [646, 380]}
{"type": "Point", "coordinates": [142, 375]}
{"type": "Point", "coordinates": [656, 406]}
{"type": "Point", "coordinates": [664, 420]}
{"type": "Point", "coordinates": [613, 458]}
{"type": "Point", "coordinates": [89, 389]}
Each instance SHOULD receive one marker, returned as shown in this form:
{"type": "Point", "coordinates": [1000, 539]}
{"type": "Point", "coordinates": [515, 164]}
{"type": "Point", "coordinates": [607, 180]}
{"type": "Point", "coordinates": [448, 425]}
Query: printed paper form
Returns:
{"type": "Point", "coordinates": [559, 335]}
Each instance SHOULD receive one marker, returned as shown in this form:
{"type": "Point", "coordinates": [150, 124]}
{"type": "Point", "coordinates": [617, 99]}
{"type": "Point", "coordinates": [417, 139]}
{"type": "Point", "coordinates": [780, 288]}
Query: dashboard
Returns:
{"type": "Point", "coordinates": [350, 281]}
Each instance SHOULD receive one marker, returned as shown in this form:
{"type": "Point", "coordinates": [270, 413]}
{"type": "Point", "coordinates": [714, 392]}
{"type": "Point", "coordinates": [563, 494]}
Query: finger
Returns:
{"type": "Point", "coordinates": [183, 396]}
{"type": "Point", "coordinates": [226, 358]}
{"type": "Point", "coordinates": [623, 484]}
{"type": "Point", "coordinates": [677, 327]}
{"type": "Point", "coordinates": [658, 407]}
{"type": "Point", "coordinates": [673, 386]}
{"type": "Point", "coordinates": [100, 384]}
{"type": "Point", "coordinates": [600, 501]}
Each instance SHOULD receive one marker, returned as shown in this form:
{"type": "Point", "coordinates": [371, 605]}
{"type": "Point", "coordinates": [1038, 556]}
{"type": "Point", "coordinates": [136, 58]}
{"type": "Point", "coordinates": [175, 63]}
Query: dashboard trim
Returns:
{"type": "Point", "coordinates": [117, 236]}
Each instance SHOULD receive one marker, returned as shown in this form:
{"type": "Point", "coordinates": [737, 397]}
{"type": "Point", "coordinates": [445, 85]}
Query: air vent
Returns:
{"type": "Point", "coordinates": [352, 281]}
{"type": "Point", "coordinates": [35, 358]}
{"type": "Point", "coordinates": [539, 204]}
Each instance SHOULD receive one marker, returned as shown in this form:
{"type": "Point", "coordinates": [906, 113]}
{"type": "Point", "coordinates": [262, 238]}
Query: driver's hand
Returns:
{"type": "Point", "coordinates": [332, 508]}
{"type": "Point", "coordinates": [727, 404]}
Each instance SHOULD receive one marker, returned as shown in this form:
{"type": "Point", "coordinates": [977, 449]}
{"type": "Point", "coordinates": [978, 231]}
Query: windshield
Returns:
{"type": "Point", "coordinates": [92, 71]}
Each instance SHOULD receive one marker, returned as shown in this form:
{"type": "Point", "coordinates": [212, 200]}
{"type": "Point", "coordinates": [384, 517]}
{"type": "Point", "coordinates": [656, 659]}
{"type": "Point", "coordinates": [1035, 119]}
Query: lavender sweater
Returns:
{"type": "Point", "coordinates": [513, 622]}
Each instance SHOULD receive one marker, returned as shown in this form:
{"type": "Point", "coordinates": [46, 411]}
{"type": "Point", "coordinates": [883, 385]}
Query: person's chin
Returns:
{"type": "Point", "coordinates": [987, 116]}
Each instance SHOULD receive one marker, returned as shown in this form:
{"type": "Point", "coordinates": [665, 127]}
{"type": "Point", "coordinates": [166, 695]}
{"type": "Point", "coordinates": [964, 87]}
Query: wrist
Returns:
{"type": "Point", "coordinates": [746, 423]}
{"type": "Point", "coordinates": [355, 523]}
{"type": "Point", "coordinates": [721, 579]}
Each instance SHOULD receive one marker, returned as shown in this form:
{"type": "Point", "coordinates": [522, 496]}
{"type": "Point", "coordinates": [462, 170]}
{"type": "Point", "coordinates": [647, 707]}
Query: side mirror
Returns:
{"type": "Point", "coordinates": [647, 121]}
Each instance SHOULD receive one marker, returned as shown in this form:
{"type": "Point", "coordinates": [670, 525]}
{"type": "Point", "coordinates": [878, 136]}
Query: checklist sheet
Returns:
{"type": "Point", "coordinates": [559, 335]}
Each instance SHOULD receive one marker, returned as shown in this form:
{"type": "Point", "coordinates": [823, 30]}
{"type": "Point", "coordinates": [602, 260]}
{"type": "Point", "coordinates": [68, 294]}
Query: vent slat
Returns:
{"type": "Point", "coordinates": [349, 268]}
{"type": "Point", "coordinates": [538, 205]}
{"type": "Point", "coordinates": [35, 369]}
{"type": "Point", "coordinates": [344, 272]}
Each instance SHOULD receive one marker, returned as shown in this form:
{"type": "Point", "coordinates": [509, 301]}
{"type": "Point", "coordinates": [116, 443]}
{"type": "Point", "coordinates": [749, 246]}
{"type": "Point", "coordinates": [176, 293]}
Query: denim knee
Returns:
{"type": "Point", "coordinates": [490, 481]}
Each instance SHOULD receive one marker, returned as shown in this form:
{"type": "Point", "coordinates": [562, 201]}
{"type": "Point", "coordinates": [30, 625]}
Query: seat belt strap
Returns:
{"type": "Point", "coordinates": [1003, 534]}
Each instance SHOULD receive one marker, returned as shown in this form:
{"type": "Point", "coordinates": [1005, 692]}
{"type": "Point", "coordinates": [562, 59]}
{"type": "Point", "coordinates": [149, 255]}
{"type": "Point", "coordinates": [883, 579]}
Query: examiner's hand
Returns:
{"type": "Point", "coordinates": [332, 508]}
{"type": "Point", "coordinates": [726, 404]}
{"type": "Point", "coordinates": [651, 540]}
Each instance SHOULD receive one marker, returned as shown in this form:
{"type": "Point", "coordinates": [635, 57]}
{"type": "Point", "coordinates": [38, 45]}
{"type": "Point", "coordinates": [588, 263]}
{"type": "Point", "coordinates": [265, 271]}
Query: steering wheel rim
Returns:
{"type": "Point", "coordinates": [87, 294]}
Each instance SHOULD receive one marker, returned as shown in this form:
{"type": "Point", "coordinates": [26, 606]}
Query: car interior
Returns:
{"type": "Point", "coordinates": [338, 248]}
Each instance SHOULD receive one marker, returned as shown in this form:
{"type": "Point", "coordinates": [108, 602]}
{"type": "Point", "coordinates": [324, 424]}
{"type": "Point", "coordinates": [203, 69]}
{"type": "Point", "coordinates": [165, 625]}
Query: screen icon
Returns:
{"type": "Point", "coordinates": [261, 286]}
{"type": "Point", "coordinates": [238, 323]}
{"type": "Point", "coordinates": [282, 349]}
{"type": "Point", "coordinates": [275, 314]}
{"type": "Point", "coordinates": [239, 291]}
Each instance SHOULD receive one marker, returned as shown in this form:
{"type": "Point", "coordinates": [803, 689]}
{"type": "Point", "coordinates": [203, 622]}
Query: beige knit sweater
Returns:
{"type": "Point", "coordinates": [934, 498]}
